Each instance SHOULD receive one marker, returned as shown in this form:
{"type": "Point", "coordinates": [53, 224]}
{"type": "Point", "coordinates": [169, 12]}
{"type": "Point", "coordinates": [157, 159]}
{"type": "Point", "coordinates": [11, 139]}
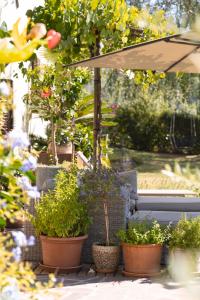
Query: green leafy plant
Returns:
{"type": "Point", "coordinates": [101, 186]}
{"type": "Point", "coordinates": [60, 213]}
{"type": "Point", "coordinates": [53, 93]}
{"type": "Point", "coordinates": [186, 234]}
{"type": "Point", "coordinates": [144, 233]}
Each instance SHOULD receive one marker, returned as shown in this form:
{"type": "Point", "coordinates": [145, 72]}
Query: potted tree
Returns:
{"type": "Point", "coordinates": [100, 187]}
{"type": "Point", "coordinates": [52, 95]}
{"type": "Point", "coordinates": [185, 243]}
{"type": "Point", "coordinates": [142, 248]}
{"type": "Point", "coordinates": [61, 220]}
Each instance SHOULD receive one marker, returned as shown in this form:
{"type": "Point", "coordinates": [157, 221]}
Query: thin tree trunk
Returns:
{"type": "Point", "coordinates": [105, 206]}
{"type": "Point", "coordinates": [53, 141]}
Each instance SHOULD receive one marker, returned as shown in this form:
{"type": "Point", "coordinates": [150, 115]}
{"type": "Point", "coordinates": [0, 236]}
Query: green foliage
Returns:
{"type": "Point", "coordinates": [144, 233]}
{"type": "Point", "coordinates": [81, 23]}
{"type": "Point", "coordinates": [59, 213]}
{"type": "Point", "coordinates": [12, 198]}
{"type": "Point", "coordinates": [186, 234]}
{"type": "Point", "coordinates": [61, 86]}
{"type": "Point", "coordinates": [100, 185]}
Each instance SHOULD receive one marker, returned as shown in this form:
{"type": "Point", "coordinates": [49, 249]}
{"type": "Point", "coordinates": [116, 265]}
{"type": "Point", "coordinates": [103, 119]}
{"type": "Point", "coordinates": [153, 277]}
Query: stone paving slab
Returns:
{"type": "Point", "coordinates": [89, 285]}
{"type": "Point", "coordinates": [139, 289]}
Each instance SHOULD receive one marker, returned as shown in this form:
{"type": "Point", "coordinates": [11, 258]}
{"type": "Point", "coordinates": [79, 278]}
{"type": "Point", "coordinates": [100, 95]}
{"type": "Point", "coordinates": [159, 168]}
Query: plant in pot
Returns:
{"type": "Point", "coordinates": [142, 247]}
{"type": "Point", "coordinates": [52, 95]}
{"type": "Point", "coordinates": [100, 187]}
{"type": "Point", "coordinates": [184, 245]}
{"type": "Point", "coordinates": [61, 220]}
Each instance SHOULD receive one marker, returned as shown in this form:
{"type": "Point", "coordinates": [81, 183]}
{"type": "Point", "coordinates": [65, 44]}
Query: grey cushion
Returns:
{"type": "Point", "coordinates": [163, 217]}
{"type": "Point", "coordinates": [158, 203]}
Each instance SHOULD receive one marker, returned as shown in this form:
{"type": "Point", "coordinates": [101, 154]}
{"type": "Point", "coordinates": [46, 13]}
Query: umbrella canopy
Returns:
{"type": "Point", "coordinates": [176, 53]}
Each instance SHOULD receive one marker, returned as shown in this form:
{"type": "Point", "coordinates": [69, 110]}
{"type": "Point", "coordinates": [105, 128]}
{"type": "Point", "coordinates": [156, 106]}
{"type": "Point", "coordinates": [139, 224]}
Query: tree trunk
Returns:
{"type": "Point", "coordinates": [53, 140]}
{"type": "Point", "coordinates": [105, 206]}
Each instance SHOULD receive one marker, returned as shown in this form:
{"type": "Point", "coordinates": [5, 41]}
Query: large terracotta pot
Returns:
{"type": "Point", "coordinates": [106, 258]}
{"type": "Point", "coordinates": [141, 260]}
{"type": "Point", "coordinates": [64, 253]}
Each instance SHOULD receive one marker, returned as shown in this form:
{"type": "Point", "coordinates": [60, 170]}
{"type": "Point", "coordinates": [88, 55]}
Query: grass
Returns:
{"type": "Point", "coordinates": [150, 166]}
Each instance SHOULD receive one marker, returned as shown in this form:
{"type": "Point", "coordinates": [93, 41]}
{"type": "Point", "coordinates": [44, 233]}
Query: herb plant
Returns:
{"type": "Point", "coordinates": [144, 233]}
{"type": "Point", "coordinates": [60, 213]}
{"type": "Point", "coordinates": [186, 234]}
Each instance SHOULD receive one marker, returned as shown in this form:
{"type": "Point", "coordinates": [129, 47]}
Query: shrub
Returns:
{"type": "Point", "coordinates": [144, 233]}
{"type": "Point", "coordinates": [186, 234]}
{"type": "Point", "coordinates": [60, 213]}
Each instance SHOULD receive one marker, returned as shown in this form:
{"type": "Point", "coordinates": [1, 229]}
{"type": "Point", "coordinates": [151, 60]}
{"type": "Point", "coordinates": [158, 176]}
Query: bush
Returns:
{"type": "Point", "coordinates": [186, 234]}
{"type": "Point", "coordinates": [142, 130]}
{"type": "Point", "coordinates": [60, 213]}
{"type": "Point", "coordinates": [144, 233]}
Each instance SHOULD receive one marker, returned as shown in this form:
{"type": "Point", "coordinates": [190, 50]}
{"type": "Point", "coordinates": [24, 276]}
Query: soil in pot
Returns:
{"type": "Point", "coordinates": [106, 258]}
{"type": "Point", "coordinates": [63, 253]}
{"type": "Point", "coordinates": [141, 260]}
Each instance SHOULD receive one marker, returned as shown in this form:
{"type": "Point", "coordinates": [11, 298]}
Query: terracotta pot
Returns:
{"type": "Point", "coordinates": [62, 149]}
{"type": "Point", "coordinates": [106, 258]}
{"type": "Point", "coordinates": [62, 252]}
{"type": "Point", "coordinates": [141, 260]}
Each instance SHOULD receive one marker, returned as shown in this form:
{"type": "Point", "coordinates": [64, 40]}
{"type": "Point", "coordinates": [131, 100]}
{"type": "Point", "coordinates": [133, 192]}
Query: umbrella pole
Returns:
{"type": "Point", "coordinates": [97, 119]}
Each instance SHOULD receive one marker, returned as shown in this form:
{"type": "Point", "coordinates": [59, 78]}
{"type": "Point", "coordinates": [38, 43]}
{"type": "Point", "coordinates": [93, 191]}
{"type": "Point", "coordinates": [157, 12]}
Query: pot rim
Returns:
{"type": "Point", "coordinates": [62, 239]}
{"type": "Point", "coordinates": [104, 246]}
{"type": "Point", "coordinates": [142, 246]}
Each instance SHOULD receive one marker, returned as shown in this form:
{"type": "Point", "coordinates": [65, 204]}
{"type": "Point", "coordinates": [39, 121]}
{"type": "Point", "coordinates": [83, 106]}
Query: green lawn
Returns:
{"type": "Point", "coordinates": [150, 166]}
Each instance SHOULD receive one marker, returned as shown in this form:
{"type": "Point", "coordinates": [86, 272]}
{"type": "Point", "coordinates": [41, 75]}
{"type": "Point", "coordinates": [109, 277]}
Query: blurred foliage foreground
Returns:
{"type": "Point", "coordinates": [16, 165]}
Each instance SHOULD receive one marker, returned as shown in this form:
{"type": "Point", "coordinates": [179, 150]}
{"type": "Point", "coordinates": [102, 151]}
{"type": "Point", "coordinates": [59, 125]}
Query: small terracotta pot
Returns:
{"type": "Point", "coordinates": [61, 149]}
{"type": "Point", "coordinates": [62, 252]}
{"type": "Point", "coordinates": [141, 260]}
{"type": "Point", "coordinates": [106, 258]}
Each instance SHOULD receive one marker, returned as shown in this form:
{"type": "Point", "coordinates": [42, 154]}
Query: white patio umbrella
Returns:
{"type": "Point", "coordinates": [176, 53]}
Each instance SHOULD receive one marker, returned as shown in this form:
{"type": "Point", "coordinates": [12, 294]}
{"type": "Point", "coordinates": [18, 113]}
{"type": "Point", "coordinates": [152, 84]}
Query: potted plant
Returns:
{"type": "Point", "coordinates": [185, 242]}
{"type": "Point", "coordinates": [61, 220]}
{"type": "Point", "coordinates": [52, 96]}
{"type": "Point", "coordinates": [100, 187]}
{"type": "Point", "coordinates": [142, 248]}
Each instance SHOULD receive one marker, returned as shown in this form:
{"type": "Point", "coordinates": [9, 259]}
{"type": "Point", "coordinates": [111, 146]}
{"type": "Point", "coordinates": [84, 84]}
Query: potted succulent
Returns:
{"type": "Point", "coordinates": [142, 248]}
{"type": "Point", "coordinates": [100, 187]}
{"type": "Point", "coordinates": [185, 242]}
{"type": "Point", "coordinates": [61, 220]}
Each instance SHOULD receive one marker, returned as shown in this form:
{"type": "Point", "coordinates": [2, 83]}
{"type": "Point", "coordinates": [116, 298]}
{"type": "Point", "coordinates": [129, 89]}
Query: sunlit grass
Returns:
{"type": "Point", "coordinates": [150, 166]}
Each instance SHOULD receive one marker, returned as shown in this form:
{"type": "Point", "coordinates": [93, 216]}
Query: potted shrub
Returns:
{"type": "Point", "coordinates": [100, 187]}
{"type": "Point", "coordinates": [185, 242]}
{"type": "Point", "coordinates": [142, 248]}
{"type": "Point", "coordinates": [61, 220]}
